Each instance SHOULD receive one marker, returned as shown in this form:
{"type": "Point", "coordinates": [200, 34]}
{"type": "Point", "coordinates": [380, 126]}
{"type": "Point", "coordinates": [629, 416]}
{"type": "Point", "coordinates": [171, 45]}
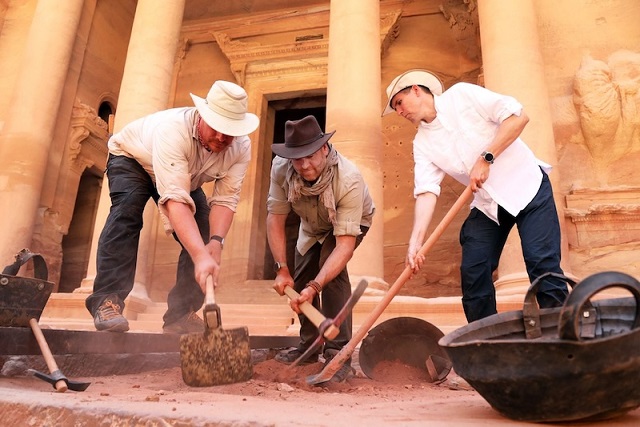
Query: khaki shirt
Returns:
{"type": "Point", "coordinates": [354, 206]}
{"type": "Point", "coordinates": [166, 146]}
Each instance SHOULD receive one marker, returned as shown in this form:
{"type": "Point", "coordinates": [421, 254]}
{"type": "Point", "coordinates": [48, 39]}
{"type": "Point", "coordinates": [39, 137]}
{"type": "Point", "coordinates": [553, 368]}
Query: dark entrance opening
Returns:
{"type": "Point", "coordinates": [293, 221]}
{"type": "Point", "coordinates": [76, 245]}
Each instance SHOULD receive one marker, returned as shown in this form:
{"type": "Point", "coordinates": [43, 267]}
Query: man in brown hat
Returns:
{"type": "Point", "coordinates": [332, 200]}
{"type": "Point", "coordinates": [167, 156]}
{"type": "Point", "coordinates": [473, 135]}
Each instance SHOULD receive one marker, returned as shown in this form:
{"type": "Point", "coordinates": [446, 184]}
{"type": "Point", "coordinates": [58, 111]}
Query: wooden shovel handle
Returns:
{"type": "Point", "coordinates": [61, 385]}
{"type": "Point", "coordinates": [339, 359]}
{"type": "Point", "coordinates": [313, 314]}
{"type": "Point", "coordinates": [407, 272]}
{"type": "Point", "coordinates": [209, 296]}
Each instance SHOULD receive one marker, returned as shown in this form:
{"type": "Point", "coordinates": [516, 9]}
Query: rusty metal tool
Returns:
{"type": "Point", "coordinates": [22, 301]}
{"type": "Point", "coordinates": [216, 356]}
{"type": "Point", "coordinates": [324, 325]}
{"type": "Point", "coordinates": [344, 355]}
{"type": "Point", "coordinates": [56, 377]}
{"type": "Point", "coordinates": [336, 321]}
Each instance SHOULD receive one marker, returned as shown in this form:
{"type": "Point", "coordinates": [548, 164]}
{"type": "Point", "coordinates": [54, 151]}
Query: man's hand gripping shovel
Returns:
{"type": "Point", "coordinates": [328, 328]}
{"type": "Point", "coordinates": [343, 355]}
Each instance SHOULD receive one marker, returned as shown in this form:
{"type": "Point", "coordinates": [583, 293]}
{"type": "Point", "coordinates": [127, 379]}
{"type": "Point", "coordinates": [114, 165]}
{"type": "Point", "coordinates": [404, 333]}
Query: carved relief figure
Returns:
{"type": "Point", "coordinates": [607, 99]}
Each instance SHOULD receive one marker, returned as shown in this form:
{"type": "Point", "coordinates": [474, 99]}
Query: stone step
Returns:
{"type": "Point", "coordinates": [244, 305]}
{"type": "Point", "coordinates": [231, 319]}
{"type": "Point", "coordinates": [255, 329]}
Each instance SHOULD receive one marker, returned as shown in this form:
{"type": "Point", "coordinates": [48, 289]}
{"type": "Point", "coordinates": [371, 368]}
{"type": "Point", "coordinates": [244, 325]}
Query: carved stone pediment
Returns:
{"type": "Point", "coordinates": [87, 143]}
{"type": "Point", "coordinates": [255, 50]}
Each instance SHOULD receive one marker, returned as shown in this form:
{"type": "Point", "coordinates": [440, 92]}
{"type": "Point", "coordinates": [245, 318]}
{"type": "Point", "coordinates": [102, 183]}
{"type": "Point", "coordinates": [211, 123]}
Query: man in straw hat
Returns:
{"type": "Point", "coordinates": [168, 156]}
{"type": "Point", "coordinates": [473, 135]}
{"type": "Point", "coordinates": [329, 194]}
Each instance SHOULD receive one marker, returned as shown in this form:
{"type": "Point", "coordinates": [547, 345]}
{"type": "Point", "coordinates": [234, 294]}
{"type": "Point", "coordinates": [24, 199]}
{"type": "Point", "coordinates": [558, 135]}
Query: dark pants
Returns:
{"type": "Point", "coordinates": [334, 294]}
{"type": "Point", "coordinates": [130, 188]}
{"type": "Point", "coordinates": [482, 243]}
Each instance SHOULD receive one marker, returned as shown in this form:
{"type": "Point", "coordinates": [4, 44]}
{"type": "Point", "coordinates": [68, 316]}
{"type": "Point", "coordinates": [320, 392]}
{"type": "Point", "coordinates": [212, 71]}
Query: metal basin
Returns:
{"type": "Point", "coordinates": [577, 362]}
{"type": "Point", "coordinates": [409, 340]}
{"type": "Point", "coordinates": [23, 298]}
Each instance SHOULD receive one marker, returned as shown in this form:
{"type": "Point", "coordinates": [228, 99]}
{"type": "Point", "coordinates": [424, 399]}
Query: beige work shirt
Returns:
{"type": "Point", "coordinates": [166, 146]}
{"type": "Point", "coordinates": [354, 206]}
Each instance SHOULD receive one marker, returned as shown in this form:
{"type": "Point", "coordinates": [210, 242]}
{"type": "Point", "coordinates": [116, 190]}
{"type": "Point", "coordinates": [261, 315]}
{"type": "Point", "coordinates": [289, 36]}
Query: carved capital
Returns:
{"type": "Point", "coordinates": [87, 140]}
{"type": "Point", "coordinates": [389, 30]}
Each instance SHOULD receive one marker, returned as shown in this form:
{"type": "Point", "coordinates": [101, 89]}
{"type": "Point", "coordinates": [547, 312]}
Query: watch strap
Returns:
{"type": "Point", "coordinates": [219, 239]}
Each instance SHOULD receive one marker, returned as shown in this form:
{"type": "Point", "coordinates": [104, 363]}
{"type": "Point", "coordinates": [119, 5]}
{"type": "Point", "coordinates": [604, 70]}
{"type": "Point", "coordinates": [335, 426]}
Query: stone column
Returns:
{"type": "Point", "coordinates": [31, 118]}
{"type": "Point", "coordinates": [353, 110]}
{"type": "Point", "coordinates": [145, 88]}
{"type": "Point", "coordinates": [513, 65]}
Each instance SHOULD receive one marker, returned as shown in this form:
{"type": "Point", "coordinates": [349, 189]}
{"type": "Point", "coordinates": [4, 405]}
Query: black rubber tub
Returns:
{"type": "Point", "coordinates": [577, 362]}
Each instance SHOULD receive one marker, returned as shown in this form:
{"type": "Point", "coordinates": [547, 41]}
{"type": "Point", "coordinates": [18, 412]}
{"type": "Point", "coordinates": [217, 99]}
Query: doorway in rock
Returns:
{"type": "Point", "coordinates": [291, 110]}
{"type": "Point", "coordinates": [76, 245]}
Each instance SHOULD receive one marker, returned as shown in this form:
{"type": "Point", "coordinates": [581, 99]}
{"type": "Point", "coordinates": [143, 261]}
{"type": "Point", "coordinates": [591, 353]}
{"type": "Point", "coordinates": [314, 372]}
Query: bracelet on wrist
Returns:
{"type": "Point", "coordinates": [315, 285]}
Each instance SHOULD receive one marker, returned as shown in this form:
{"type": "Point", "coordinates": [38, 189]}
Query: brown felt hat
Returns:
{"type": "Point", "coordinates": [301, 138]}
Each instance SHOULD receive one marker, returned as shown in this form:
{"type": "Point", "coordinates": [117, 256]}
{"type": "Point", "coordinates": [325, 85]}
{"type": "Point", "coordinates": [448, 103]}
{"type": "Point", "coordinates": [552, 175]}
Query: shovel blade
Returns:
{"type": "Point", "coordinates": [216, 357]}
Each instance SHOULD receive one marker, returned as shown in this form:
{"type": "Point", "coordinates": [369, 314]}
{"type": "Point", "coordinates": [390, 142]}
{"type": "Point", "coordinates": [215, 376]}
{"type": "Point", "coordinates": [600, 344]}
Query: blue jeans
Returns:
{"type": "Point", "coordinates": [482, 243]}
{"type": "Point", "coordinates": [130, 187]}
{"type": "Point", "coordinates": [334, 294]}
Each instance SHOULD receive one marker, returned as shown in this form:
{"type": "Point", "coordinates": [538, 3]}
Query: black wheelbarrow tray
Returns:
{"type": "Point", "coordinates": [580, 361]}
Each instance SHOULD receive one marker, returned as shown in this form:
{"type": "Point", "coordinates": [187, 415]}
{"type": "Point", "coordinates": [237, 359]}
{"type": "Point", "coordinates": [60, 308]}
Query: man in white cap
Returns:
{"type": "Point", "coordinates": [330, 196]}
{"type": "Point", "coordinates": [473, 135]}
{"type": "Point", "coordinates": [168, 156]}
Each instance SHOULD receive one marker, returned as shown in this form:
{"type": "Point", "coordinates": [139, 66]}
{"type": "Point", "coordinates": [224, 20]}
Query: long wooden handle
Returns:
{"type": "Point", "coordinates": [211, 311]}
{"type": "Point", "coordinates": [346, 352]}
{"type": "Point", "coordinates": [313, 314]}
{"type": "Point", "coordinates": [407, 272]}
{"type": "Point", "coordinates": [61, 385]}
{"type": "Point", "coordinates": [209, 296]}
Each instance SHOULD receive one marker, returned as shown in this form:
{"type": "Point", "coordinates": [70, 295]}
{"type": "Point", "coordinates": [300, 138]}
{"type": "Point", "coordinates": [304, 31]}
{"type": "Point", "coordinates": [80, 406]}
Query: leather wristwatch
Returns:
{"type": "Point", "coordinates": [219, 239]}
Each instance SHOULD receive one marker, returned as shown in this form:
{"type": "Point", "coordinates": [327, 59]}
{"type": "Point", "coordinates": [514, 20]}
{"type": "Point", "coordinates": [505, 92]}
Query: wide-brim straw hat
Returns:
{"type": "Point", "coordinates": [225, 109]}
{"type": "Point", "coordinates": [301, 138]}
{"type": "Point", "coordinates": [409, 78]}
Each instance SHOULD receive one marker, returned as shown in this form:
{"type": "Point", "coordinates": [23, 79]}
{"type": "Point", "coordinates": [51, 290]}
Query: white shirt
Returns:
{"type": "Point", "coordinates": [467, 119]}
{"type": "Point", "coordinates": [166, 146]}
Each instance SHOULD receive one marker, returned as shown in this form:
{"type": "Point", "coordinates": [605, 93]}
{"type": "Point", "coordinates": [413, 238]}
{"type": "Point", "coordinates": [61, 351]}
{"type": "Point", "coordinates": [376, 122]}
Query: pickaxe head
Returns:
{"type": "Point", "coordinates": [57, 376]}
{"type": "Point", "coordinates": [335, 322]}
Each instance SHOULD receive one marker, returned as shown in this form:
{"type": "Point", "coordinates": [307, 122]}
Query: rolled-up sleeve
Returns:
{"type": "Point", "coordinates": [427, 176]}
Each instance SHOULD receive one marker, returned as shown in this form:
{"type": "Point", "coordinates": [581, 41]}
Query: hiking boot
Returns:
{"type": "Point", "coordinates": [109, 317]}
{"type": "Point", "coordinates": [289, 356]}
{"type": "Point", "coordinates": [187, 324]}
{"type": "Point", "coordinates": [345, 372]}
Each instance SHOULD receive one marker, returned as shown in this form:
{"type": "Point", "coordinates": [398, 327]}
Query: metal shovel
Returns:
{"type": "Point", "coordinates": [343, 355]}
{"type": "Point", "coordinates": [216, 356]}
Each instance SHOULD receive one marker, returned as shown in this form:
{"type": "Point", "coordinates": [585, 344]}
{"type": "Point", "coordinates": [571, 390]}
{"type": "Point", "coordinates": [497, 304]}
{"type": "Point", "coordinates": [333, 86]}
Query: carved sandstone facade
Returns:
{"type": "Point", "coordinates": [67, 65]}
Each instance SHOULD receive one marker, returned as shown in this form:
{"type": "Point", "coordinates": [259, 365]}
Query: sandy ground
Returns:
{"type": "Point", "coordinates": [399, 396]}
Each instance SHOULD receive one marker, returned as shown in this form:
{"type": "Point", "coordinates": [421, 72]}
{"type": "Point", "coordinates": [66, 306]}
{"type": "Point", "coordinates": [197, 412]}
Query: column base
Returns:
{"type": "Point", "coordinates": [512, 284]}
